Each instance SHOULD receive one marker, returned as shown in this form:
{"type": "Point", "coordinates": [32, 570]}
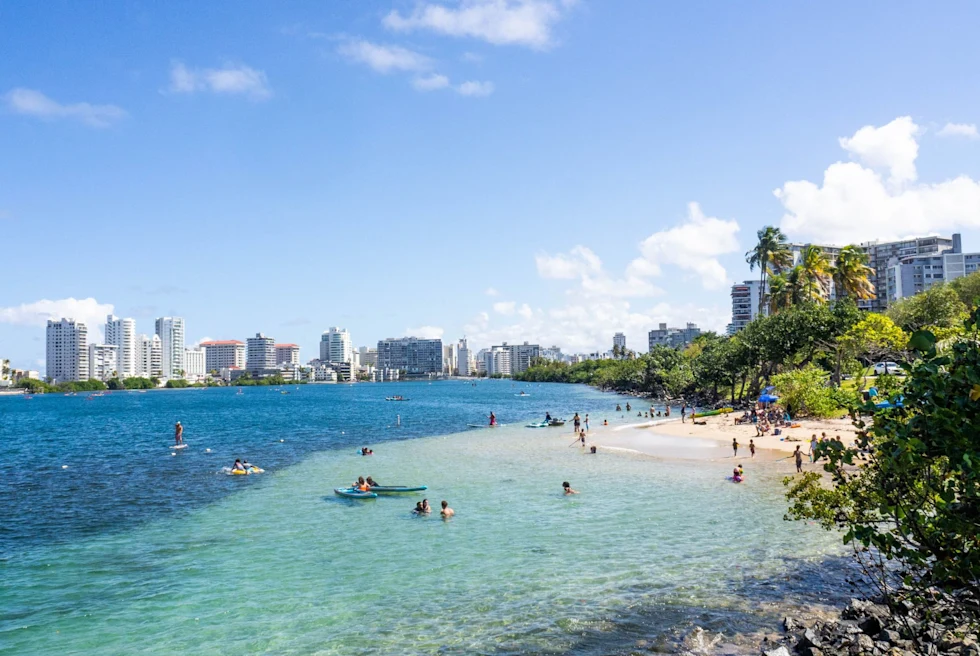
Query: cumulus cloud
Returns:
{"type": "Point", "coordinates": [34, 103]}
{"type": "Point", "coordinates": [384, 58]}
{"type": "Point", "coordinates": [505, 308]}
{"type": "Point", "coordinates": [892, 147]}
{"type": "Point", "coordinates": [692, 246]}
{"type": "Point", "coordinates": [566, 267]}
{"type": "Point", "coordinates": [501, 22]}
{"type": "Point", "coordinates": [87, 310]}
{"type": "Point", "coordinates": [968, 130]}
{"type": "Point", "coordinates": [233, 79]}
{"type": "Point", "coordinates": [856, 203]}
{"type": "Point", "coordinates": [426, 332]}
{"type": "Point", "coordinates": [475, 89]}
{"type": "Point", "coordinates": [430, 82]}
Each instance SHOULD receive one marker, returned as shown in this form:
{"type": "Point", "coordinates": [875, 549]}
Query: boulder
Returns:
{"type": "Point", "coordinates": [870, 625]}
{"type": "Point", "coordinates": [779, 651]}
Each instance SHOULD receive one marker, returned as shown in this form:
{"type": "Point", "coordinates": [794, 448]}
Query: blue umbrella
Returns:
{"type": "Point", "coordinates": [768, 398]}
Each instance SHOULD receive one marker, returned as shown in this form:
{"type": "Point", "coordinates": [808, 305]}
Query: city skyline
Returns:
{"type": "Point", "coordinates": [372, 144]}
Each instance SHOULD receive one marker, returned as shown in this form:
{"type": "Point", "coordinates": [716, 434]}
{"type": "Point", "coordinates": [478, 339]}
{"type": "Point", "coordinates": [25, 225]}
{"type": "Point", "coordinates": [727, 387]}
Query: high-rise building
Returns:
{"type": "Point", "coordinates": [497, 360]}
{"type": "Point", "coordinates": [122, 334]}
{"type": "Point", "coordinates": [520, 358]}
{"type": "Point", "coordinates": [552, 353]}
{"type": "Point", "coordinates": [464, 359]}
{"type": "Point", "coordinates": [171, 333]}
{"type": "Point", "coordinates": [335, 346]}
{"type": "Point", "coordinates": [883, 256]}
{"type": "Point", "coordinates": [150, 360]}
{"type": "Point", "coordinates": [195, 364]}
{"type": "Point", "coordinates": [673, 337]}
{"type": "Point", "coordinates": [368, 356]}
{"type": "Point", "coordinates": [67, 351]}
{"type": "Point", "coordinates": [223, 354]}
{"type": "Point", "coordinates": [414, 356]}
{"type": "Point", "coordinates": [745, 304]}
{"type": "Point", "coordinates": [260, 354]}
{"type": "Point", "coordinates": [910, 275]}
{"type": "Point", "coordinates": [287, 354]}
{"type": "Point", "coordinates": [103, 361]}
{"type": "Point", "coordinates": [450, 359]}
{"type": "Point", "coordinates": [619, 339]}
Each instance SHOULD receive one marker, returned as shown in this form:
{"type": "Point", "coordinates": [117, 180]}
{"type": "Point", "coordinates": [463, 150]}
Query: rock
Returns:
{"type": "Point", "coordinates": [864, 642]}
{"type": "Point", "coordinates": [779, 651]}
{"type": "Point", "coordinates": [870, 625]}
{"type": "Point", "coordinates": [882, 646]}
{"type": "Point", "coordinates": [809, 639]}
{"type": "Point", "coordinates": [887, 635]}
{"type": "Point", "coordinates": [790, 624]}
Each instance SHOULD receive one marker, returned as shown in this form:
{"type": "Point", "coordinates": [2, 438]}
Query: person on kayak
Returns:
{"type": "Point", "coordinates": [493, 419]}
{"type": "Point", "coordinates": [371, 482]}
{"type": "Point", "coordinates": [246, 465]}
{"type": "Point", "coordinates": [237, 466]}
{"type": "Point", "coordinates": [568, 488]}
{"type": "Point", "coordinates": [361, 485]}
{"type": "Point", "coordinates": [446, 511]}
{"type": "Point", "coordinates": [547, 417]}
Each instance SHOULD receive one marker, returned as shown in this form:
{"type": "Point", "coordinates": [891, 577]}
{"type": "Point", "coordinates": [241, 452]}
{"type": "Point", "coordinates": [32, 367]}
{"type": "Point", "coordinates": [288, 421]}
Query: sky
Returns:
{"type": "Point", "coordinates": [545, 170]}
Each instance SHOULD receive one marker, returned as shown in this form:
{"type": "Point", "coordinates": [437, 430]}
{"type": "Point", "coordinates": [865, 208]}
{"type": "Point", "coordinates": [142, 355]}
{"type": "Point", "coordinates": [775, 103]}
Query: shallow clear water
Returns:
{"type": "Point", "coordinates": [276, 563]}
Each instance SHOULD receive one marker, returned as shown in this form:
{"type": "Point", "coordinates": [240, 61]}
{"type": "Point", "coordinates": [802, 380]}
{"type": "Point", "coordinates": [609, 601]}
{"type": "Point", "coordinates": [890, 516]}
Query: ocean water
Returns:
{"type": "Point", "coordinates": [134, 550]}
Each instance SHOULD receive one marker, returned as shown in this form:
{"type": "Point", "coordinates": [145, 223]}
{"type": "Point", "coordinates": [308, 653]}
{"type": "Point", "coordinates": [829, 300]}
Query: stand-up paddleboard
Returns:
{"type": "Point", "coordinates": [180, 446]}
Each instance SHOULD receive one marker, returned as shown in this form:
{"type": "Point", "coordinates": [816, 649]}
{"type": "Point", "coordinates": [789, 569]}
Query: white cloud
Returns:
{"type": "Point", "coordinates": [855, 204]}
{"type": "Point", "coordinates": [198, 343]}
{"type": "Point", "coordinates": [491, 292]}
{"type": "Point", "coordinates": [566, 267]}
{"type": "Point", "coordinates": [526, 311]}
{"type": "Point", "coordinates": [232, 80]}
{"type": "Point", "coordinates": [892, 147]}
{"type": "Point", "coordinates": [692, 246]}
{"type": "Point", "coordinates": [34, 103]}
{"type": "Point", "coordinates": [426, 332]}
{"type": "Point", "coordinates": [968, 130]}
{"type": "Point", "coordinates": [505, 308]}
{"type": "Point", "coordinates": [87, 310]}
{"type": "Point", "coordinates": [430, 82]}
{"type": "Point", "coordinates": [502, 22]}
{"type": "Point", "coordinates": [384, 58]}
{"type": "Point", "coordinates": [475, 89]}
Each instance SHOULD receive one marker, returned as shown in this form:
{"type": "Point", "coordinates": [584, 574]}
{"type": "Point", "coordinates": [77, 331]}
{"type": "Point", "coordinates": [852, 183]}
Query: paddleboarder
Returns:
{"type": "Point", "coordinates": [178, 434]}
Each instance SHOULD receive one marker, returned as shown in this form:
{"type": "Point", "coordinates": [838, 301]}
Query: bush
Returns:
{"type": "Point", "coordinates": [805, 393]}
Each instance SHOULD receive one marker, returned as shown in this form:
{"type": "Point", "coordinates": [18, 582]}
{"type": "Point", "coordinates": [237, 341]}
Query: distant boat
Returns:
{"type": "Point", "coordinates": [240, 391]}
{"type": "Point", "coordinates": [396, 398]}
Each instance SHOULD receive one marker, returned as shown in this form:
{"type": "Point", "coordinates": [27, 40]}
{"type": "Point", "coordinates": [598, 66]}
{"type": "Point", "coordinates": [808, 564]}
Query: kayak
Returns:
{"type": "Point", "coordinates": [397, 489]}
{"type": "Point", "coordinates": [242, 472]}
{"type": "Point", "coordinates": [351, 493]}
{"type": "Point", "coordinates": [712, 413]}
{"type": "Point", "coordinates": [540, 424]}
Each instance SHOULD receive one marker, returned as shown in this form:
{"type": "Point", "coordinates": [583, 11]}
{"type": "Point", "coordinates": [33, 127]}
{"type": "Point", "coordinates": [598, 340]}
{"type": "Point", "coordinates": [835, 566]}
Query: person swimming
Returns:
{"type": "Point", "coordinates": [246, 465]}
{"type": "Point", "coordinates": [446, 511]}
{"type": "Point", "coordinates": [418, 509]}
{"type": "Point", "coordinates": [566, 486]}
{"type": "Point", "coordinates": [426, 508]}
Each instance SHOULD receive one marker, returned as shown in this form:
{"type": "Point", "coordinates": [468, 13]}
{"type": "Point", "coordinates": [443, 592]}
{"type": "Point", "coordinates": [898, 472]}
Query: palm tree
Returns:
{"type": "Point", "coordinates": [851, 274]}
{"type": "Point", "coordinates": [815, 272]}
{"type": "Point", "coordinates": [780, 293]}
{"type": "Point", "coordinates": [771, 255]}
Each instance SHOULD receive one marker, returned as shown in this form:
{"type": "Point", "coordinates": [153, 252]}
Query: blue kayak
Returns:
{"type": "Point", "coordinates": [397, 489]}
{"type": "Point", "coordinates": [351, 493]}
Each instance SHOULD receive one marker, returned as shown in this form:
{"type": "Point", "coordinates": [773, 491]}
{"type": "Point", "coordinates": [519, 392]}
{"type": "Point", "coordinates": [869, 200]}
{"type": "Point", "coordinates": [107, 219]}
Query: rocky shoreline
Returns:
{"type": "Point", "coordinates": [942, 627]}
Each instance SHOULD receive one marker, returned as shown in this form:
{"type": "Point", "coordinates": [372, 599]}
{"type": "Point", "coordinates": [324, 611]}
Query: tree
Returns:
{"type": "Point", "coordinates": [780, 293]}
{"type": "Point", "coordinates": [938, 306]}
{"type": "Point", "coordinates": [851, 274]}
{"type": "Point", "coordinates": [771, 255]}
{"type": "Point", "coordinates": [875, 337]}
{"type": "Point", "coordinates": [815, 272]}
{"type": "Point", "coordinates": [968, 289]}
{"type": "Point", "coordinates": [915, 501]}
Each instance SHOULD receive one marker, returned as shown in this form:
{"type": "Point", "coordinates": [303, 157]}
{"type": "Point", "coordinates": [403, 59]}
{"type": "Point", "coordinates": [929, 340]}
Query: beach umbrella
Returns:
{"type": "Point", "coordinates": [768, 398]}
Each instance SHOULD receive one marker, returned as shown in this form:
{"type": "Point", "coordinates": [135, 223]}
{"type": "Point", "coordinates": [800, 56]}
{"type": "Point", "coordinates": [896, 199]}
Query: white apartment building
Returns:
{"type": "Point", "coordinates": [260, 354]}
{"type": "Point", "coordinates": [335, 346]}
{"type": "Point", "coordinates": [103, 361]}
{"type": "Point", "coordinates": [121, 333]}
{"type": "Point", "coordinates": [195, 364]}
{"type": "Point", "coordinates": [150, 352]}
{"type": "Point", "coordinates": [223, 354]}
{"type": "Point", "coordinates": [464, 359]}
{"type": "Point", "coordinates": [745, 304]}
{"type": "Point", "coordinates": [619, 339]}
{"type": "Point", "coordinates": [67, 351]}
{"type": "Point", "coordinates": [171, 332]}
{"type": "Point", "coordinates": [287, 354]}
{"type": "Point", "coordinates": [450, 359]}
{"type": "Point", "coordinates": [497, 360]}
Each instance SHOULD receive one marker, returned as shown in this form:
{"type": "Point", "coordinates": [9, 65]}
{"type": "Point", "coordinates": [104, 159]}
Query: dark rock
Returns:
{"type": "Point", "coordinates": [888, 635]}
{"type": "Point", "coordinates": [809, 639]}
{"type": "Point", "coordinates": [871, 625]}
{"type": "Point", "coordinates": [790, 624]}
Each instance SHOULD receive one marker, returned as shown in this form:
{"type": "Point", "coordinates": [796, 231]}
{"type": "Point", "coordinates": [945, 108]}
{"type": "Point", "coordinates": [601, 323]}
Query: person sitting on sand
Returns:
{"type": "Point", "coordinates": [446, 511]}
{"type": "Point", "coordinates": [736, 475]}
{"type": "Point", "coordinates": [568, 488]}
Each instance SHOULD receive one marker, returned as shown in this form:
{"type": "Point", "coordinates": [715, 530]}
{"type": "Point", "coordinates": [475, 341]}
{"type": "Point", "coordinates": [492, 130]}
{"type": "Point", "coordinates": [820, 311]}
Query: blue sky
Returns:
{"type": "Point", "coordinates": [506, 169]}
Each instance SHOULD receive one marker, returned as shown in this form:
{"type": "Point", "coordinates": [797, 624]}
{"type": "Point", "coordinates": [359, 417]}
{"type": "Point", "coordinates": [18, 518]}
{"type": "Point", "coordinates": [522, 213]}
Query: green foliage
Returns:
{"type": "Point", "coordinates": [938, 306]}
{"type": "Point", "coordinates": [874, 336]}
{"type": "Point", "coordinates": [968, 289]}
{"type": "Point", "coordinates": [34, 386]}
{"type": "Point", "coordinates": [246, 380]}
{"type": "Point", "coordinates": [916, 499]}
{"type": "Point", "coordinates": [176, 383]}
{"type": "Point", "coordinates": [805, 393]}
{"type": "Point", "coordinates": [41, 387]}
{"type": "Point", "coordinates": [141, 383]}
{"type": "Point", "coordinates": [888, 385]}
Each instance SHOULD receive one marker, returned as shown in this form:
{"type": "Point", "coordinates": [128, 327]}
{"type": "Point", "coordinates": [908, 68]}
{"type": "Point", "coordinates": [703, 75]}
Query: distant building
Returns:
{"type": "Point", "coordinates": [619, 339]}
{"type": "Point", "coordinates": [496, 361]}
{"type": "Point", "coordinates": [260, 355]}
{"type": "Point", "coordinates": [335, 346]}
{"type": "Point", "coordinates": [223, 354]}
{"type": "Point", "coordinates": [102, 361]}
{"type": "Point", "coordinates": [67, 351]}
{"type": "Point", "coordinates": [17, 375]}
{"type": "Point", "coordinates": [913, 274]}
{"type": "Point", "coordinates": [673, 337]}
{"type": "Point", "coordinates": [450, 359]}
{"type": "Point", "coordinates": [552, 353]}
{"type": "Point", "coordinates": [368, 356]}
{"type": "Point", "coordinates": [171, 332]}
{"type": "Point", "coordinates": [464, 359]}
{"type": "Point", "coordinates": [195, 364]}
{"type": "Point", "coordinates": [883, 256]}
{"type": "Point", "coordinates": [287, 354]}
{"type": "Point", "coordinates": [745, 304]}
{"type": "Point", "coordinates": [414, 356]}
{"type": "Point", "coordinates": [521, 356]}
{"type": "Point", "coordinates": [150, 353]}
{"type": "Point", "coordinates": [122, 334]}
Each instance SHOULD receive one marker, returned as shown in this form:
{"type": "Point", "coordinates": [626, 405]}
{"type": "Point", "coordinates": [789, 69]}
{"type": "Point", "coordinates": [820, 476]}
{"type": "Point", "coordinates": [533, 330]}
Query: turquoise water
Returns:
{"type": "Point", "coordinates": [169, 556]}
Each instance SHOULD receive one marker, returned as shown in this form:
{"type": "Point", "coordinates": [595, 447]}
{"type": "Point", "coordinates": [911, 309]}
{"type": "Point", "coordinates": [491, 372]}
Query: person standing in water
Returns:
{"type": "Point", "coordinates": [799, 459]}
{"type": "Point", "coordinates": [813, 448]}
{"type": "Point", "coordinates": [735, 447]}
{"type": "Point", "coordinates": [576, 422]}
{"type": "Point", "coordinates": [568, 488]}
{"type": "Point", "coordinates": [752, 447]}
{"type": "Point", "coordinates": [493, 419]}
{"type": "Point", "coordinates": [178, 434]}
{"type": "Point", "coordinates": [446, 511]}
{"type": "Point", "coordinates": [586, 422]}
